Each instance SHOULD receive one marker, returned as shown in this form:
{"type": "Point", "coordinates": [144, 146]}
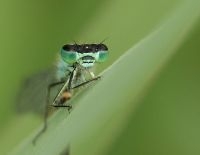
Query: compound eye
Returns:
{"type": "Point", "coordinates": [103, 55]}
{"type": "Point", "coordinates": [68, 54]}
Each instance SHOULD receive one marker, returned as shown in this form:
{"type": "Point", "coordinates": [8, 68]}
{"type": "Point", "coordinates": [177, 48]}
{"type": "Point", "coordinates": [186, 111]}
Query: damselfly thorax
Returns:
{"type": "Point", "coordinates": [76, 76]}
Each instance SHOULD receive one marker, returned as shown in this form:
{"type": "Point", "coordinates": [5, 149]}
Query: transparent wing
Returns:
{"type": "Point", "coordinates": [32, 96]}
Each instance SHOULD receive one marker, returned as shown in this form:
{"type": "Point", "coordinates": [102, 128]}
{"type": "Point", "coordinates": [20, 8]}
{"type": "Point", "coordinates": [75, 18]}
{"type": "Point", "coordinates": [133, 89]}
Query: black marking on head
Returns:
{"type": "Point", "coordinates": [85, 48]}
{"type": "Point", "coordinates": [69, 47]}
{"type": "Point", "coordinates": [102, 47]}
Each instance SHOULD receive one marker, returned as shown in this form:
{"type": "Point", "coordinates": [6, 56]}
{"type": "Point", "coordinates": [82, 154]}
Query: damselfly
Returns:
{"type": "Point", "coordinates": [74, 69]}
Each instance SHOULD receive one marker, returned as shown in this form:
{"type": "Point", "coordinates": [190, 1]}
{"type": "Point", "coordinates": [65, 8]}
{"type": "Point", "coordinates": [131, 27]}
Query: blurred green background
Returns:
{"type": "Point", "coordinates": [32, 32]}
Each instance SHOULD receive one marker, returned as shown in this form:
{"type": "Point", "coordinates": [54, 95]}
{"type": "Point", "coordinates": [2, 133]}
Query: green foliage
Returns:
{"type": "Point", "coordinates": [105, 118]}
{"type": "Point", "coordinates": [147, 102]}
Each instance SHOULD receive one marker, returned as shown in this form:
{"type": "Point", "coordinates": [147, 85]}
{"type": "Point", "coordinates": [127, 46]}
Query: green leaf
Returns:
{"type": "Point", "coordinates": [105, 108]}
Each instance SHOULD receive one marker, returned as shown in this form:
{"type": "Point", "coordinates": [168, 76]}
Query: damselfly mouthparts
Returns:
{"type": "Point", "coordinates": [74, 70]}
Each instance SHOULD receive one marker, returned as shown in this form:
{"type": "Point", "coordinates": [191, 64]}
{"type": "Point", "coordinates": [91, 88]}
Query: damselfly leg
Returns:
{"type": "Point", "coordinates": [46, 109]}
{"type": "Point", "coordinates": [87, 82]}
{"type": "Point", "coordinates": [58, 101]}
{"type": "Point", "coordinates": [63, 96]}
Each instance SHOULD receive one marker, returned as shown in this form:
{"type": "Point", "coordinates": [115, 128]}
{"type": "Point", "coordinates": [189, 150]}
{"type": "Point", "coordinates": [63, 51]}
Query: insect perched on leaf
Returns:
{"type": "Point", "coordinates": [73, 70]}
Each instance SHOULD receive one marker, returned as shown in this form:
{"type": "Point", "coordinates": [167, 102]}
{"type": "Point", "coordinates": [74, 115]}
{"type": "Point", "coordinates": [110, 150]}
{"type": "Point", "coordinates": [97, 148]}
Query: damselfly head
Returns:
{"type": "Point", "coordinates": [85, 54]}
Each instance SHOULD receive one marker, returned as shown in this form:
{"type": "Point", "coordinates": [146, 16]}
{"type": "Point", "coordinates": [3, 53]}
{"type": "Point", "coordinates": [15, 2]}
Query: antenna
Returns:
{"type": "Point", "coordinates": [104, 40]}
{"type": "Point", "coordinates": [75, 42]}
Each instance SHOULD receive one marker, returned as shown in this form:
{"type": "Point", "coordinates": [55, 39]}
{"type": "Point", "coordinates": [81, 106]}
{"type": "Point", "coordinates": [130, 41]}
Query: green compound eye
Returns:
{"type": "Point", "coordinates": [103, 55]}
{"type": "Point", "coordinates": [69, 56]}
